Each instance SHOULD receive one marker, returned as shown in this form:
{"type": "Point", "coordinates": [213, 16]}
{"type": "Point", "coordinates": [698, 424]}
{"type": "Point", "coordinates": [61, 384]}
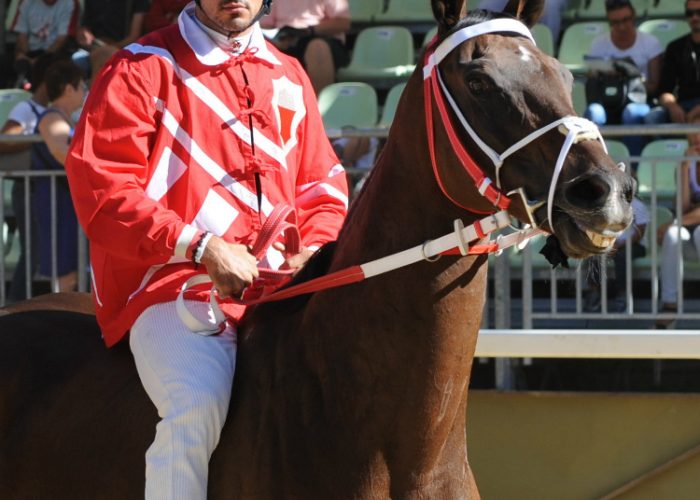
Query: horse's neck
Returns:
{"type": "Point", "coordinates": [414, 328]}
{"type": "Point", "coordinates": [379, 368]}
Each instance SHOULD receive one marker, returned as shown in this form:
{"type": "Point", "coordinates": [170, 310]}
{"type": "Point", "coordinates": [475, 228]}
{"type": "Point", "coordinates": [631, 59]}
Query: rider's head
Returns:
{"type": "Point", "coordinates": [231, 17]}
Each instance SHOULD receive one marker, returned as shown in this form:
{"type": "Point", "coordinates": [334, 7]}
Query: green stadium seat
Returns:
{"type": "Point", "coordinates": [8, 99]}
{"type": "Point", "coordinates": [348, 104]}
{"type": "Point", "coordinates": [382, 56]}
{"type": "Point", "coordinates": [406, 11]}
{"type": "Point", "coordinates": [543, 38]}
{"type": "Point", "coordinates": [665, 30]}
{"type": "Point", "coordinates": [364, 10]}
{"type": "Point", "coordinates": [11, 13]}
{"type": "Point", "coordinates": [666, 8]}
{"type": "Point", "coordinates": [429, 36]}
{"type": "Point", "coordinates": [663, 215]}
{"type": "Point", "coordinates": [664, 154]}
{"type": "Point", "coordinates": [578, 95]}
{"type": "Point", "coordinates": [571, 11]}
{"type": "Point", "coordinates": [390, 105]}
{"type": "Point", "coordinates": [576, 43]}
{"type": "Point", "coordinates": [618, 150]}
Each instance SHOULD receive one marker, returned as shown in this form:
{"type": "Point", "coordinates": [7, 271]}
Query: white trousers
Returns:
{"type": "Point", "coordinates": [670, 261]}
{"type": "Point", "coordinates": [189, 378]}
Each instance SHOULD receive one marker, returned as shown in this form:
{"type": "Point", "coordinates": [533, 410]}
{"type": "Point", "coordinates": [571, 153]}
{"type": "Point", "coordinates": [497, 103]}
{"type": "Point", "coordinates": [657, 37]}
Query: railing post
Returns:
{"type": "Point", "coordinates": [501, 281]}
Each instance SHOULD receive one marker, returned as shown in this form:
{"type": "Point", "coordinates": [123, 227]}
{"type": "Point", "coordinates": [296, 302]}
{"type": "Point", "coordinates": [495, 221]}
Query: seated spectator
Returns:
{"type": "Point", "coordinates": [41, 26]}
{"type": "Point", "coordinates": [106, 27]}
{"type": "Point", "coordinates": [66, 90]}
{"type": "Point", "coordinates": [670, 235]}
{"type": "Point", "coordinates": [624, 41]}
{"type": "Point", "coordinates": [551, 15]}
{"type": "Point", "coordinates": [313, 31]}
{"type": "Point", "coordinates": [635, 235]}
{"type": "Point", "coordinates": [163, 13]}
{"type": "Point", "coordinates": [681, 71]}
{"type": "Point", "coordinates": [22, 120]}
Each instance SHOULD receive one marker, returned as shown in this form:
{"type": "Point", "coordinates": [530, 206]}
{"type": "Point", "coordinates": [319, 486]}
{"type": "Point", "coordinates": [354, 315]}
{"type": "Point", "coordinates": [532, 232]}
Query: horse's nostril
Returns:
{"type": "Point", "coordinates": [589, 192]}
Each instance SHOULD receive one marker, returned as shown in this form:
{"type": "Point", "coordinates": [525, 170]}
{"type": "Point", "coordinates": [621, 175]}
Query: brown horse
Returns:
{"type": "Point", "coordinates": [357, 391]}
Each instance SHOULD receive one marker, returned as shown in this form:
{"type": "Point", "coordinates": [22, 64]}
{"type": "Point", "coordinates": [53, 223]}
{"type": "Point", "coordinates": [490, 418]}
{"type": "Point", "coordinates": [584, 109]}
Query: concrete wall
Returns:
{"type": "Point", "coordinates": [526, 445]}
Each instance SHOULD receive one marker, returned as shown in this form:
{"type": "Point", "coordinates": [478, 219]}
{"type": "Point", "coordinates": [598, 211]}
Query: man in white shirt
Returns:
{"type": "Point", "coordinates": [624, 41]}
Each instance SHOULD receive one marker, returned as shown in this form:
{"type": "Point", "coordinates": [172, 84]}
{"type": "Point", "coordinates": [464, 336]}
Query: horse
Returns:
{"type": "Point", "coordinates": [357, 391]}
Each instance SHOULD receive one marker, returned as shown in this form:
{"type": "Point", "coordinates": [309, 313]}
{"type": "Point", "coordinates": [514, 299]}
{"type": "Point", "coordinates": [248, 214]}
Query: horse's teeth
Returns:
{"type": "Point", "coordinates": [600, 240]}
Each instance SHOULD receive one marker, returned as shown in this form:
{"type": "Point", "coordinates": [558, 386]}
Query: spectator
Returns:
{"type": "Point", "coordinates": [66, 90]}
{"type": "Point", "coordinates": [22, 120]}
{"type": "Point", "coordinates": [635, 235]}
{"type": "Point", "coordinates": [624, 41]}
{"type": "Point", "coordinates": [670, 235]}
{"type": "Point", "coordinates": [313, 31]}
{"type": "Point", "coordinates": [107, 26]}
{"type": "Point", "coordinates": [163, 13]}
{"type": "Point", "coordinates": [42, 26]}
{"type": "Point", "coordinates": [187, 140]}
{"type": "Point", "coordinates": [681, 71]}
{"type": "Point", "coordinates": [551, 15]}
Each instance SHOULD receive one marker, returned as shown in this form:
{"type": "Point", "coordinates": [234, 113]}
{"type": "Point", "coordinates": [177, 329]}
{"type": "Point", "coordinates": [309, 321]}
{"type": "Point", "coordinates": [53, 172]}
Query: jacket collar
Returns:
{"type": "Point", "coordinates": [207, 50]}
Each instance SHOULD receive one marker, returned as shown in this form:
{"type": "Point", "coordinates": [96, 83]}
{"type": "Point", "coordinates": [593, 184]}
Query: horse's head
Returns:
{"type": "Point", "coordinates": [518, 123]}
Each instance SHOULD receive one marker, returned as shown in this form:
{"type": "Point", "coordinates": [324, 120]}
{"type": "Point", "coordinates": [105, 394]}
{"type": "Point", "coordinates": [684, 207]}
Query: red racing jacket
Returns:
{"type": "Point", "coordinates": [164, 151]}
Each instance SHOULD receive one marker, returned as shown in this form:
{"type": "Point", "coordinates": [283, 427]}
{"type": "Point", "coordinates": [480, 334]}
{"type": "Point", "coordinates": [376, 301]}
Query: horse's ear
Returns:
{"type": "Point", "coordinates": [448, 12]}
{"type": "Point", "coordinates": [528, 11]}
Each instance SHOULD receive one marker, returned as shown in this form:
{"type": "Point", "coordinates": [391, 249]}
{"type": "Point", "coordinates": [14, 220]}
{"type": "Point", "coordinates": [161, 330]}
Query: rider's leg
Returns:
{"type": "Point", "coordinates": [188, 377]}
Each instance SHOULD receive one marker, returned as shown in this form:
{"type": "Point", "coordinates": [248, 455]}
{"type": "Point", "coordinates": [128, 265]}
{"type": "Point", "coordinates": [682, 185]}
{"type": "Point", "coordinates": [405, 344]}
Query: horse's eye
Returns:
{"type": "Point", "coordinates": [477, 86]}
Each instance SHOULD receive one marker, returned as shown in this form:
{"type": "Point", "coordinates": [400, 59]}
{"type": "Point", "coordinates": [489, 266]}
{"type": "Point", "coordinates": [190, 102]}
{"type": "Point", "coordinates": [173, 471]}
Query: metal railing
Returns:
{"type": "Point", "coordinates": [541, 314]}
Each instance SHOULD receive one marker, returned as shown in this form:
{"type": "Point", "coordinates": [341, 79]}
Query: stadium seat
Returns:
{"type": "Point", "coordinates": [429, 36]}
{"type": "Point", "coordinates": [11, 13]}
{"type": "Point", "coordinates": [570, 11]}
{"type": "Point", "coordinates": [543, 38]}
{"type": "Point", "coordinates": [595, 9]}
{"type": "Point", "coordinates": [666, 8]}
{"type": "Point", "coordinates": [578, 95]}
{"type": "Point", "coordinates": [348, 104]}
{"type": "Point", "coordinates": [664, 154]}
{"type": "Point", "coordinates": [8, 99]}
{"type": "Point", "coordinates": [382, 55]}
{"type": "Point", "coordinates": [576, 43]}
{"type": "Point", "coordinates": [406, 11]}
{"type": "Point", "coordinates": [390, 104]}
{"type": "Point", "coordinates": [618, 150]}
{"type": "Point", "coordinates": [663, 215]}
{"type": "Point", "coordinates": [665, 30]}
{"type": "Point", "coordinates": [364, 11]}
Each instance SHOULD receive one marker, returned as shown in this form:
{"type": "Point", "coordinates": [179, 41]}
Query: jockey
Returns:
{"type": "Point", "coordinates": [189, 138]}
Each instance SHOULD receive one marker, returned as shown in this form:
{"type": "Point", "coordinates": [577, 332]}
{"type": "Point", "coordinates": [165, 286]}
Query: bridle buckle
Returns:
{"type": "Point", "coordinates": [529, 207]}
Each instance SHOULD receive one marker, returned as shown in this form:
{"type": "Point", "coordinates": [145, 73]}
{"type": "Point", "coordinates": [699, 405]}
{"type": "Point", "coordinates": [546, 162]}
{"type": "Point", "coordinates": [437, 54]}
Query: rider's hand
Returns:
{"type": "Point", "coordinates": [231, 266]}
{"type": "Point", "coordinates": [297, 261]}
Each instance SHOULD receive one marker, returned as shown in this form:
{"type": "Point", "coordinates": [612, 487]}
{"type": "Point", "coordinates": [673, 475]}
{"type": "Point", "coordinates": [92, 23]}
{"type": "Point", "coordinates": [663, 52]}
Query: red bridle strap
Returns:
{"type": "Point", "coordinates": [481, 181]}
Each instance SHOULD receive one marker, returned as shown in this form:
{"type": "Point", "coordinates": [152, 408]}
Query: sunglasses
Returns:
{"type": "Point", "coordinates": [692, 12]}
{"type": "Point", "coordinates": [620, 22]}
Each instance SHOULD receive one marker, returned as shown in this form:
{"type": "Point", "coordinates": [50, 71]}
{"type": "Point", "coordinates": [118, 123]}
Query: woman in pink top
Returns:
{"type": "Point", "coordinates": [313, 31]}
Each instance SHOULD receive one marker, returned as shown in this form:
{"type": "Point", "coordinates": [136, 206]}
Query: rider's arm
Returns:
{"type": "Point", "coordinates": [321, 190]}
{"type": "Point", "coordinates": [108, 167]}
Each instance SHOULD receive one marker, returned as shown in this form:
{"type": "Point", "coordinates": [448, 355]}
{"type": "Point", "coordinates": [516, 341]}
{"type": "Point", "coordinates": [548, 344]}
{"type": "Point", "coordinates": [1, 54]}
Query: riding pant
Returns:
{"type": "Point", "coordinates": [189, 378]}
{"type": "Point", "coordinates": [670, 260]}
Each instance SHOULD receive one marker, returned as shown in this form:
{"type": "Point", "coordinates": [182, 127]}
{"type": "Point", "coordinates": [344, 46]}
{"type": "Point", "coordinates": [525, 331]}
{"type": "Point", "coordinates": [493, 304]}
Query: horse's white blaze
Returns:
{"type": "Point", "coordinates": [525, 54]}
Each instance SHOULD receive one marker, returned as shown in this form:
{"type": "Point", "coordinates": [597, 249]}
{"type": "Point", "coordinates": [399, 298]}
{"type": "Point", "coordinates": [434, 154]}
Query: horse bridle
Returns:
{"type": "Point", "coordinates": [575, 128]}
